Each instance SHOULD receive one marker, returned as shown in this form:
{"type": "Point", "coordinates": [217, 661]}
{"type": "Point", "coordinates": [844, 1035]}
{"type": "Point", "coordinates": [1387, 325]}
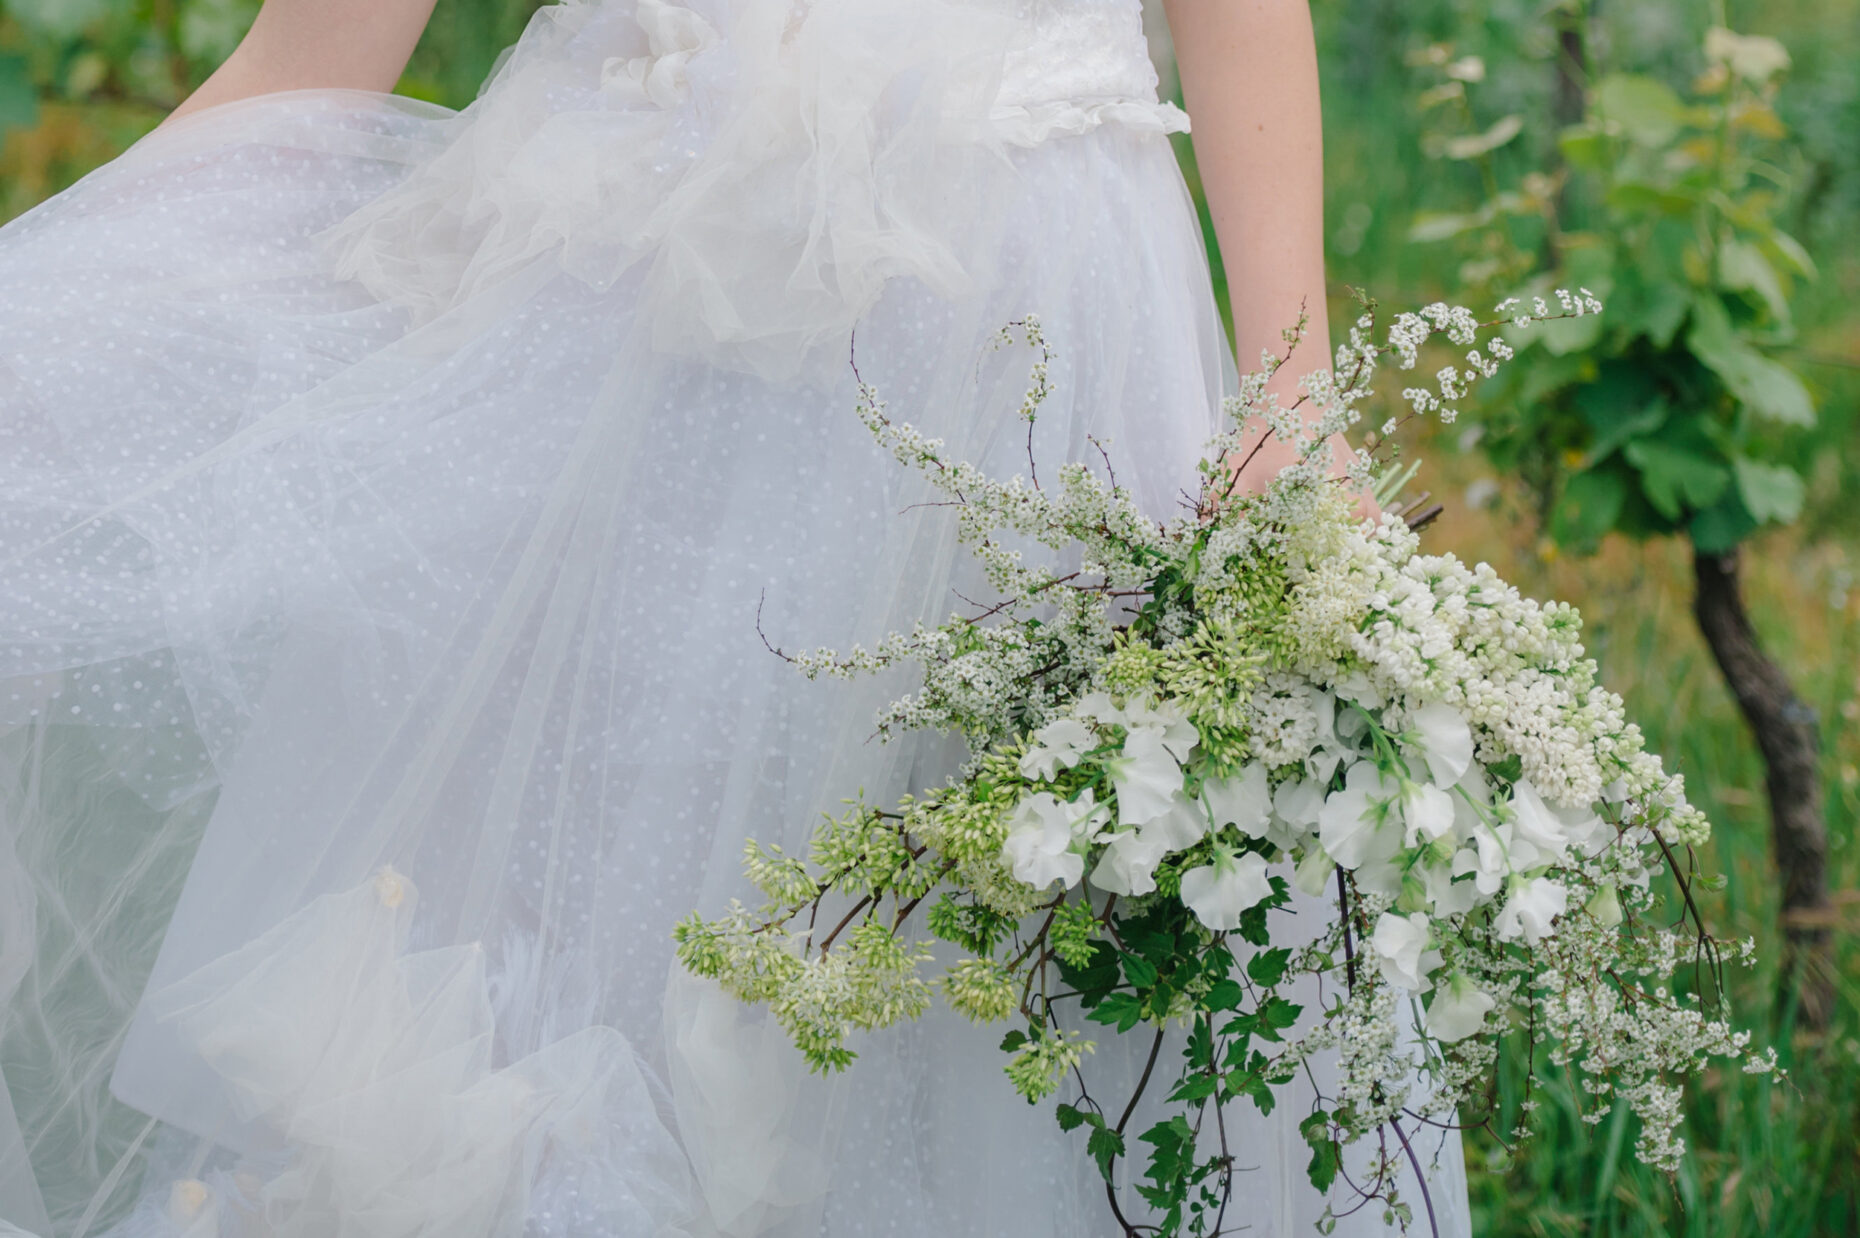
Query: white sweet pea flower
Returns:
{"type": "Point", "coordinates": [1243, 800]}
{"type": "Point", "coordinates": [1313, 872]}
{"type": "Point", "coordinates": [1401, 945]}
{"type": "Point", "coordinates": [1147, 776]}
{"type": "Point", "coordinates": [1439, 735]}
{"type": "Point", "coordinates": [1047, 837]}
{"type": "Point", "coordinates": [1530, 908]}
{"type": "Point", "coordinates": [1178, 733]}
{"type": "Point", "coordinates": [1298, 801]}
{"type": "Point", "coordinates": [1056, 746]}
{"type": "Point", "coordinates": [1426, 812]}
{"type": "Point", "coordinates": [1357, 687]}
{"type": "Point", "coordinates": [1605, 906]}
{"type": "Point", "coordinates": [1447, 896]}
{"type": "Point", "coordinates": [1535, 822]}
{"type": "Point", "coordinates": [1181, 827]}
{"type": "Point", "coordinates": [1458, 1009]}
{"type": "Point", "coordinates": [1099, 707]}
{"type": "Point", "coordinates": [1128, 865]}
{"type": "Point", "coordinates": [1350, 823]}
{"type": "Point", "coordinates": [1219, 892]}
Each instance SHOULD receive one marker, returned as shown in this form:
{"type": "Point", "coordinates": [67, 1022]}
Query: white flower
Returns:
{"type": "Point", "coordinates": [1039, 846]}
{"type": "Point", "coordinates": [1219, 892]}
{"type": "Point", "coordinates": [1313, 872]}
{"type": "Point", "coordinates": [1401, 945]}
{"type": "Point", "coordinates": [1178, 733]}
{"type": "Point", "coordinates": [1532, 905]}
{"type": "Point", "coordinates": [1147, 777]}
{"type": "Point", "coordinates": [1128, 865]}
{"type": "Point", "coordinates": [1057, 745]}
{"type": "Point", "coordinates": [1426, 812]}
{"type": "Point", "coordinates": [1298, 801]}
{"type": "Point", "coordinates": [1181, 827]}
{"type": "Point", "coordinates": [1441, 738]}
{"type": "Point", "coordinates": [1458, 1009]}
{"type": "Point", "coordinates": [1243, 801]}
{"type": "Point", "coordinates": [1535, 822]}
{"type": "Point", "coordinates": [1349, 824]}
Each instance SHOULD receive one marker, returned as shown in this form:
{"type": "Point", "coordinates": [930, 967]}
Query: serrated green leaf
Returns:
{"type": "Point", "coordinates": [1676, 480]}
{"type": "Point", "coordinates": [1104, 1147]}
{"type": "Point", "coordinates": [1267, 967]}
{"type": "Point", "coordinates": [1139, 970]}
{"type": "Point", "coordinates": [1772, 493]}
{"type": "Point", "coordinates": [1120, 1010]}
{"type": "Point", "coordinates": [1225, 995]}
{"type": "Point", "coordinates": [1071, 1117]}
{"type": "Point", "coordinates": [1012, 1042]}
{"type": "Point", "coordinates": [1768, 388]}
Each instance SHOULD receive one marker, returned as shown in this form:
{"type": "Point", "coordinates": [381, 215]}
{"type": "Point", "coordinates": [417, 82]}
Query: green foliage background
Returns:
{"type": "Point", "coordinates": [82, 79]}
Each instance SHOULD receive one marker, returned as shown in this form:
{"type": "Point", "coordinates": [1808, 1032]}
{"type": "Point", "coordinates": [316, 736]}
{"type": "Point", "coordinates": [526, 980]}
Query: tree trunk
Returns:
{"type": "Point", "coordinates": [1789, 737]}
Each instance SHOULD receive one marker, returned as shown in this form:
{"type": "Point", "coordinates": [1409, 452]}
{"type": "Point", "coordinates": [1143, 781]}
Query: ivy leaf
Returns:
{"type": "Point", "coordinates": [1771, 492]}
{"type": "Point", "coordinates": [1676, 479]}
{"type": "Point", "coordinates": [1105, 1146]}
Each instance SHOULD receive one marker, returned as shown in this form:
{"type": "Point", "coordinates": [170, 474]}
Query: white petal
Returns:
{"type": "Point", "coordinates": [1219, 898]}
{"type": "Point", "coordinates": [1243, 800]}
{"type": "Point", "coordinates": [1446, 741]}
{"type": "Point", "coordinates": [1128, 864]}
{"type": "Point", "coordinates": [1458, 1010]}
{"type": "Point", "coordinates": [1427, 811]}
{"type": "Point", "coordinates": [1146, 776]}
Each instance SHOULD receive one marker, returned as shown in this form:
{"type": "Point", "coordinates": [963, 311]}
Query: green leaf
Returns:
{"type": "Point", "coordinates": [1743, 268]}
{"type": "Point", "coordinates": [1198, 1086]}
{"type": "Point", "coordinates": [1720, 527]}
{"type": "Point", "coordinates": [1772, 493]}
{"type": "Point", "coordinates": [1012, 1042]}
{"type": "Point", "coordinates": [1675, 479]}
{"type": "Point", "coordinates": [1768, 388]}
{"type": "Point", "coordinates": [1225, 995]}
{"type": "Point", "coordinates": [19, 99]}
{"type": "Point", "coordinates": [1121, 1010]}
{"type": "Point", "coordinates": [1649, 112]}
{"type": "Point", "coordinates": [1071, 1117]}
{"type": "Point", "coordinates": [1105, 1146]}
{"type": "Point", "coordinates": [1140, 971]}
{"type": "Point", "coordinates": [1643, 198]}
{"type": "Point", "coordinates": [1324, 1159]}
{"type": "Point", "coordinates": [1267, 968]}
{"type": "Point", "coordinates": [1588, 508]}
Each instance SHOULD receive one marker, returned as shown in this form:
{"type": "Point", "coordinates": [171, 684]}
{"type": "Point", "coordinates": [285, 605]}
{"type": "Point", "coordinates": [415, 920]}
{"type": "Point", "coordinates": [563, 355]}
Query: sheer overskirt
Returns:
{"type": "Point", "coordinates": [382, 674]}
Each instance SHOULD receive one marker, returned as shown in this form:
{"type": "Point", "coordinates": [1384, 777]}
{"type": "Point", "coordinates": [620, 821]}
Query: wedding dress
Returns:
{"type": "Point", "coordinates": [393, 504]}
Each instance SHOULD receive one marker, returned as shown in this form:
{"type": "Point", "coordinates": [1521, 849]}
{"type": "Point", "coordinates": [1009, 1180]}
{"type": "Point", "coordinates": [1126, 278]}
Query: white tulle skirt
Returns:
{"type": "Point", "coordinates": [386, 520]}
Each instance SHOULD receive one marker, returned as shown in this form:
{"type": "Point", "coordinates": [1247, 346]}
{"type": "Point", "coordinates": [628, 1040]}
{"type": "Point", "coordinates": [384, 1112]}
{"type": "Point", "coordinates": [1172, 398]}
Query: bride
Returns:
{"type": "Point", "coordinates": [392, 506]}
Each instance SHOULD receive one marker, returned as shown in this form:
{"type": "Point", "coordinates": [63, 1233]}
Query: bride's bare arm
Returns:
{"type": "Point", "coordinates": [296, 44]}
{"type": "Point", "coordinates": [1250, 80]}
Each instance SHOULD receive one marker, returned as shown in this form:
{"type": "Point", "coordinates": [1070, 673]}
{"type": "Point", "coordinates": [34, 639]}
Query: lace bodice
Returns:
{"type": "Point", "coordinates": [1080, 50]}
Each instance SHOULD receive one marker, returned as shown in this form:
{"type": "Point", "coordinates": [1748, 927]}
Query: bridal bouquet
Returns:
{"type": "Point", "coordinates": [1189, 722]}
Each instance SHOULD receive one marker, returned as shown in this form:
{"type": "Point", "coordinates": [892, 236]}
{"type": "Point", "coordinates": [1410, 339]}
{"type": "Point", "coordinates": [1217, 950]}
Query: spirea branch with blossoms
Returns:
{"type": "Point", "coordinates": [1259, 705]}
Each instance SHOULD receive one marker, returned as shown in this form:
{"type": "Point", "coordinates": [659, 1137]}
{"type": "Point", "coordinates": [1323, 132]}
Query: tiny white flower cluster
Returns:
{"type": "Point", "coordinates": [1301, 699]}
